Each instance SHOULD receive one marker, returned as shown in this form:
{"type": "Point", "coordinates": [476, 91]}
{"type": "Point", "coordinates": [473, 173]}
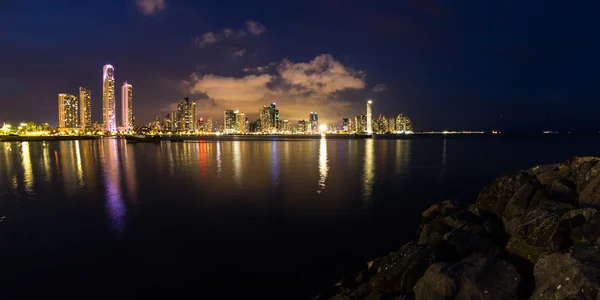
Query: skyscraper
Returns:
{"type": "Point", "coordinates": [369, 118]}
{"type": "Point", "coordinates": [265, 119]}
{"type": "Point", "coordinates": [108, 99]}
{"type": "Point", "coordinates": [127, 106]}
{"type": "Point", "coordinates": [209, 125]}
{"type": "Point", "coordinates": [229, 120]}
{"type": "Point", "coordinates": [240, 121]}
{"type": "Point", "coordinates": [186, 115]}
{"type": "Point", "coordinates": [85, 107]}
{"type": "Point", "coordinates": [274, 117]}
{"type": "Point", "coordinates": [313, 119]}
{"type": "Point", "coordinates": [68, 111]}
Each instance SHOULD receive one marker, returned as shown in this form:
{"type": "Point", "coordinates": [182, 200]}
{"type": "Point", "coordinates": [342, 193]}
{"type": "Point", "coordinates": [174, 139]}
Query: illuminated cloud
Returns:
{"type": "Point", "coordinates": [380, 88]}
{"type": "Point", "coordinates": [297, 88]}
{"type": "Point", "coordinates": [240, 53]}
{"type": "Point", "coordinates": [255, 28]}
{"type": "Point", "coordinates": [150, 7]}
{"type": "Point", "coordinates": [206, 39]}
{"type": "Point", "coordinates": [260, 69]}
{"type": "Point", "coordinates": [210, 38]}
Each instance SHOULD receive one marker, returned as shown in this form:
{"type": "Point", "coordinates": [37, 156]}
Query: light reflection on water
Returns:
{"type": "Point", "coordinates": [368, 170]}
{"type": "Point", "coordinates": [27, 169]}
{"type": "Point", "coordinates": [323, 168]}
{"type": "Point", "coordinates": [115, 207]}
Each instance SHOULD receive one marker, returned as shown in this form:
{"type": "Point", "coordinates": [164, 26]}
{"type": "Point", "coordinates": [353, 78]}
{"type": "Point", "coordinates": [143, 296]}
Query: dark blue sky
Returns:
{"type": "Point", "coordinates": [446, 64]}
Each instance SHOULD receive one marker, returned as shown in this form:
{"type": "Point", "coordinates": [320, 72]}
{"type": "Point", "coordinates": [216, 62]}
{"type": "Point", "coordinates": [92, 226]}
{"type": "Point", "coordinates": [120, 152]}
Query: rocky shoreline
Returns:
{"type": "Point", "coordinates": [532, 234]}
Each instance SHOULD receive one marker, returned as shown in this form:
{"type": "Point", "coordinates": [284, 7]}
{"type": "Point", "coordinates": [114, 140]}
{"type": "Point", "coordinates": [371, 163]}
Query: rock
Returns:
{"type": "Point", "coordinates": [563, 190]}
{"type": "Point", "coordinates": [546, 229]}
{"type": "Point", "coordinates": [571, 274]}
{"type": "Point", "coordinates": [400, 273]}
{"type": "Point", "coordinates": [587, 232]}
{"type": "Point", "coordinates": [466, 243]}
{"type": "Point", "coordinates": [433, 232]}
{"type": "Point", "coordinates": [494, 197]}
{"type": "Point", "coordinates": [587, 170]}
{"type": "Point", "coordinates": [590, 195]}
{"type": "Point", "coordinates": [546, 174]}
{"type": "Point", "coordinates": [435, 284]}
{"type": "Point", "coordinates": [478, 276]}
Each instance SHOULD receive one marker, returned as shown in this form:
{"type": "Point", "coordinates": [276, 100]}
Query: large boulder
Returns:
{"type": "Point", "coordinates": [478, 276]}
{"type": "Point", "coordinates": [399, 272]}
{"type": "Point", "coordinates": [436, 284]}
{"type": "Point", "coordinates": [546, 174]}
{"type": "Point", "coordinates": [494, 197]}
{"type": "Point", "coordinates": [571, 274]}
{"type": "Point", "coordinates": [465, 243]}
{"type": "Point", "coordinates": [546, 229]}
{"type": "Point", "coordinates": [590, 195]}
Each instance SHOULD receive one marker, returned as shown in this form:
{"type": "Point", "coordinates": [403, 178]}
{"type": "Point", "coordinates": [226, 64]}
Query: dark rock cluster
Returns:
{"type": "Point", "coordinates": [531, 234]}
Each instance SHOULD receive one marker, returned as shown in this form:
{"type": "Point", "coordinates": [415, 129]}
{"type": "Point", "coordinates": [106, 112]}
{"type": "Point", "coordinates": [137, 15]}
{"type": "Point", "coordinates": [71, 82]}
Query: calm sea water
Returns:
{"type": "Point", "coordinates": [271, 219]}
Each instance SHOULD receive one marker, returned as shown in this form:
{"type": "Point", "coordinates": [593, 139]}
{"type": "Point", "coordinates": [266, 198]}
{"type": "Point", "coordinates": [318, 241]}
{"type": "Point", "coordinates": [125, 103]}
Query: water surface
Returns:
{"type": "Point", "coordinates": [231, 217]}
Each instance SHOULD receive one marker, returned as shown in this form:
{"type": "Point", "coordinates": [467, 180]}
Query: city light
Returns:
{"type": "Point", "coordinates": [322, 127]}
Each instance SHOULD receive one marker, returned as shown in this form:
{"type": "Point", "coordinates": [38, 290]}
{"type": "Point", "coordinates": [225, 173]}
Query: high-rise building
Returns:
{"type": "Point", "coordinates": [313, 119]}
{"type": "Point", "coordinates": [285, 126]}
{"type": "Point", "coordinates": [229, 120]}
{"type": "Point", "coordinates": [209, 125]}
{"type": "Point", "coordinates": [302, 124]}
{"type": "Point", "coordinates": [275, 117]}
{"type": "Point", "coordinates": [265, 119]}
{"type": "Point", "coordinates": [85, 108]}
{"type": "Point", "coordinates": [186, 115]}
{"type": "Point", "coordinates": [345, 125]}
{"type": "Point", "coordinates": [68, 111]}
{"type": "Point", "coordinates": [369, 117]}
{"type": "Point", "coordinates": [108, 99]}
{"type": "Point", "coordinates": [240, 121]}
{"type": "Point", "coordinates": [127, 106]}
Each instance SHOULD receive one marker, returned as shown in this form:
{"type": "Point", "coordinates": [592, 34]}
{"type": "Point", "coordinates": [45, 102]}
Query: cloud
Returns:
{"type": "Point", "coordinates": [240, 53]}
{"type": "Point", "coordinates": [260, 69]}
{"type": "Point", "coordinates": [297, 88]}
{"type": "Point", "coordinates": [380, 88]}
{"type": "Point", "coordinates": [255, 28]}
{"type": "Point", "coordinates": [150, 7]}
{"type": "Point", "coordinates": [206, 39]}
{"type": "Point", "coordinates": [210, 38]}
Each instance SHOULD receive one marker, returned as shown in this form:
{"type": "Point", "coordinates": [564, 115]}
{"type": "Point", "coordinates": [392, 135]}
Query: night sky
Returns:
{"type": "Point", "coordinates": [481, 65]}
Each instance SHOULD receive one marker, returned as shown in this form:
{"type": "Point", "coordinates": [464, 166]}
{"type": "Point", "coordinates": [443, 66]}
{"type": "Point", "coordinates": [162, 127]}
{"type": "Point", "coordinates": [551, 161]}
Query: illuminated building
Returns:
{"type": "Point", "coordinates": [302, 124]}
{"type": "Point", "coordinates": [345, 125]}
{"type": "Point", "coordinates": [240, 121]}
{"type": "Point", "coordinates": [269, 118]}
{"type": "Point", "coordinates": [275, 117]}
{"type": "Point", "coordinates": [313, 119]}
{"type": "Point", "coordinates": [108, 99]}
{"type": "Point", "coordinates": [68, 111]}
{"type": "Point", "coordinates": [285, 126]}
{"type": "Point", "coordinates": [229, 121]}
{"type": "Point", "coordinates": [186, 115]}
{"type": "Point", "coordinates": [209, 125]}
{"type": "Point", "coordinates": [369, 117]}
{"type": "Point", "coordinates": [403, 124]}
{"type": "Point", "coordinates": [392, 124]}
{"type": "Point", "coordinates": [85, 108]}
{"type": "Point", "coordinates": [127, 106]}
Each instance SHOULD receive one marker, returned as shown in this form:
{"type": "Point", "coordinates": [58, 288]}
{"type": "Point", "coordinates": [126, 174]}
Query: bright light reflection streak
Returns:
{"type": "Point", "coordinates": [115, 207]}
{"type": "Point", "coordinates": [78, 164]}
{"type": "Point", "coordinates": [275, 164]}
{"type": "Point", "coordinates": [237, 163]}
{"type": "Point", "coordinates": [443, 170]}
{"type": "Point", "coordinates": [323, 167]}
{"type": "Point", "coordinates": [28, 171]}
{"type": "Point", "coordinates": [219, 170]}
{"type": "Point", "coordinates": [369, 170]}
{"type": "Point", "coordinates": [47, 170]}
{"type": "Point", "coordinates": [402, 154]}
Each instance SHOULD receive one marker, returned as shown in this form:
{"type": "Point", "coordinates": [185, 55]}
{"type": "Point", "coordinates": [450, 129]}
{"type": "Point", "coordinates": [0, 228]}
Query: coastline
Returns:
{"type": "Point", "coordinates": [532, 233]}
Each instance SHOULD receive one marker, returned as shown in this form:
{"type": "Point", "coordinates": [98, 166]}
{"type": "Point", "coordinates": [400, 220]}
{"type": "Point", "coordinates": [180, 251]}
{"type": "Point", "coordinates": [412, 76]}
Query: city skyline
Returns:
{"type": "Point", "coordinates": [447, 65]}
